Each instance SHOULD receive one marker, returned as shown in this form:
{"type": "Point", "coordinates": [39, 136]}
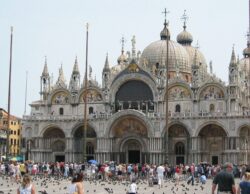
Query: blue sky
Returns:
{"type": "Point", "coordinates": [56, 29]}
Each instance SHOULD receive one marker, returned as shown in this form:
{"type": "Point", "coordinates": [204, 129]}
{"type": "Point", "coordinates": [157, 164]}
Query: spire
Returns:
{"type": "Point", "coordinates": [76, 68]}
{"type": "Point", "coordinates": [74, 83]}
{"type": "Point", "coordinates": [246, 51]}
{"type": "Point", "coordinates": [211, 67]}
{"type": "Point", "coordinates": [233, 58]}
{"type": "Point", "coordinates": [165, 34]}
{"type": "Point", "coordinates": [106, 65]}
{"type": "Point", "coordinates": [196, 55]}
{"type": "Point", "coordinates": [45, 69]}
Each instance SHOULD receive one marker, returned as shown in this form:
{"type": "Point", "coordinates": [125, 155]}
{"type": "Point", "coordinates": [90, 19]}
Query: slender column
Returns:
{"type": "Point", "coordinates": [9, 98]}
{"type": "Point", "coordinates": [85, 99]}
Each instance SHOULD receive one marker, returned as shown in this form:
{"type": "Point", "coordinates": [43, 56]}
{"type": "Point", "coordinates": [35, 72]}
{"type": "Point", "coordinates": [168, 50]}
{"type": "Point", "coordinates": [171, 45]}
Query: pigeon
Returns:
{"type": "Point", "coordinates": [43, 192]}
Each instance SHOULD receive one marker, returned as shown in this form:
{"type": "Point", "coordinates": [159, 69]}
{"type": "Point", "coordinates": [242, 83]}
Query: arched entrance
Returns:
{"type": "Point", "coordinates": [180, 153]}
{"type": "Point", "coordinates": [54, 141]}
{"type": "Point", "coordinates": [130, 133]}
{"type": "Point", "coordinates": [78, 143]}
{"type": "Point", "coordinates": [132, 149]}
{"type": "Point", "coordinates": [244, 145]}
{"type": "Point", "coordinates": [178, 144]}
{"type": "Point", "coordinates": [211, 146]}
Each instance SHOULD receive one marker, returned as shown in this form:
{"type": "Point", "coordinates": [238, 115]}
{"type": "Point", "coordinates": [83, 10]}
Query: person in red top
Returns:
{"type": "Point", "coordinates": [102, 171]}
{"type": "Point", "coordinates": [192, 170]}
{"type": "Point", "coordinates": [177, 174]}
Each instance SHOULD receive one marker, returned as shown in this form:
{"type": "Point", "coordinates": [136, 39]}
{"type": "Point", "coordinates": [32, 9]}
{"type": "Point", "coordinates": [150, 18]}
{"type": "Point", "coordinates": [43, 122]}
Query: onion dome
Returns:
{"type": "Point", "coordinates": [165, 34]}
{"type": "Point", "coordinates": [122, 58]}
{"type": "Point", "coordinates": [246, 51]}
{"type": "Point", "coordinates": [244, 63]}
{"type": "Point", "coordinates": [185, 38]}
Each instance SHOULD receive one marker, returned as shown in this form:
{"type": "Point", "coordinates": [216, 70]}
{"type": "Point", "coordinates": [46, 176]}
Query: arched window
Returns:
{"type": "Point", "coordinates": [91, 110]}
{"type": "Point", "coordinates": [211, 108]}
{"type": "Point", "coordinates": [179, 148]}
{"type": "Point", "coordinates": [177, 108]}
{"type": "Point", "coordinates": [90, 148]}
{"type": "Point", "coordinates": [61, 111]}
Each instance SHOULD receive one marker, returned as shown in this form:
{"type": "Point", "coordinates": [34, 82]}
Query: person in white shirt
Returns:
{"type": "Point", "coordinates": [133, 187]}
{"type": "Point", "coordinates": [26, 186]}
{"type": "Point", "coordinates": [160, 174]}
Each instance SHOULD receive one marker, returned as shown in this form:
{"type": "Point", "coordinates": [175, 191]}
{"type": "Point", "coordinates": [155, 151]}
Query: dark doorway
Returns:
{"type": "Point", "coordinates": [60, 158]}
{"type": "Point", "coordinates": [215, 160]}
{"type": "Point", "coordinates": [90, 158]}
{"type": "Point", "coordinates": [180, 160]}
{"type": "Point", "coordinates": [134, 156]}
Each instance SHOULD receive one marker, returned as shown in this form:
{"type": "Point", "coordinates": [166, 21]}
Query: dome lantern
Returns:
{"type": "Point", "coordinates": [165, 34]}
{"type": "Point", "coordinates": [185, 38]}
{"type": "Point", "coordinates": [122, 58]}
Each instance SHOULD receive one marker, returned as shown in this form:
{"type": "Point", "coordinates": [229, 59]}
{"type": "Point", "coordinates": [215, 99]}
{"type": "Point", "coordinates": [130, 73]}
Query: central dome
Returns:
{"type": "Point", "coordinates": [156, 53]}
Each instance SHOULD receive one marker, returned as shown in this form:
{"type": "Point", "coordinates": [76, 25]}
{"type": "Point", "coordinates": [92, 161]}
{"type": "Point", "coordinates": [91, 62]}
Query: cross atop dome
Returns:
{"type": "Point", "coordinates": [165, 34]}
{"type": "Point", "coordinates": [165, 12]}
{"type": "Point", "coordinates": [123, 43]}
{"type": "Point", "coordinates": [185, 19]}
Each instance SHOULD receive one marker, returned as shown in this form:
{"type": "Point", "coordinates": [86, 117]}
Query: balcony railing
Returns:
{"type": "Point", "coordinates": [156, 115]}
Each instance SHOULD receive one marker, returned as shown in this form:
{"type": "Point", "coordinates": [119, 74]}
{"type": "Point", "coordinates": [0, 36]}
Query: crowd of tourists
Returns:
{"type": "Point", "coordinates": [111, 171]}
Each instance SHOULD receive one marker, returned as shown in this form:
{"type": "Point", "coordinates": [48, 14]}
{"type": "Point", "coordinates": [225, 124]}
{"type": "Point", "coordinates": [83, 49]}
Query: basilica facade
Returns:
{"type": "Point", "coordinates": [128, 119]}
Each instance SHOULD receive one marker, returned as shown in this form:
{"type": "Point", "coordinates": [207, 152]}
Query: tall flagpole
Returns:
{"type": "Point", "coordinates": [166, 94]}
{"type": "Point", "coordinates": [25, 102]}
{"type": "Point", "coordinates": [9, 97]}
{"type": "Point", "coordinates": [85, 98]}
{"type": "Point", "coordinates": [167, 66]}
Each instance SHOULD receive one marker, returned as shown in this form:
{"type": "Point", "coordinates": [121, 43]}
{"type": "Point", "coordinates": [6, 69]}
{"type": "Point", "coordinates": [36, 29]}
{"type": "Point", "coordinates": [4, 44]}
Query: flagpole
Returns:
{"type": "Point", "coordinates": [25, 102]}
{"type": "Point", "coordinates": [9, 97]}
{"type": "Point", "coordinates": [85, 98]}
